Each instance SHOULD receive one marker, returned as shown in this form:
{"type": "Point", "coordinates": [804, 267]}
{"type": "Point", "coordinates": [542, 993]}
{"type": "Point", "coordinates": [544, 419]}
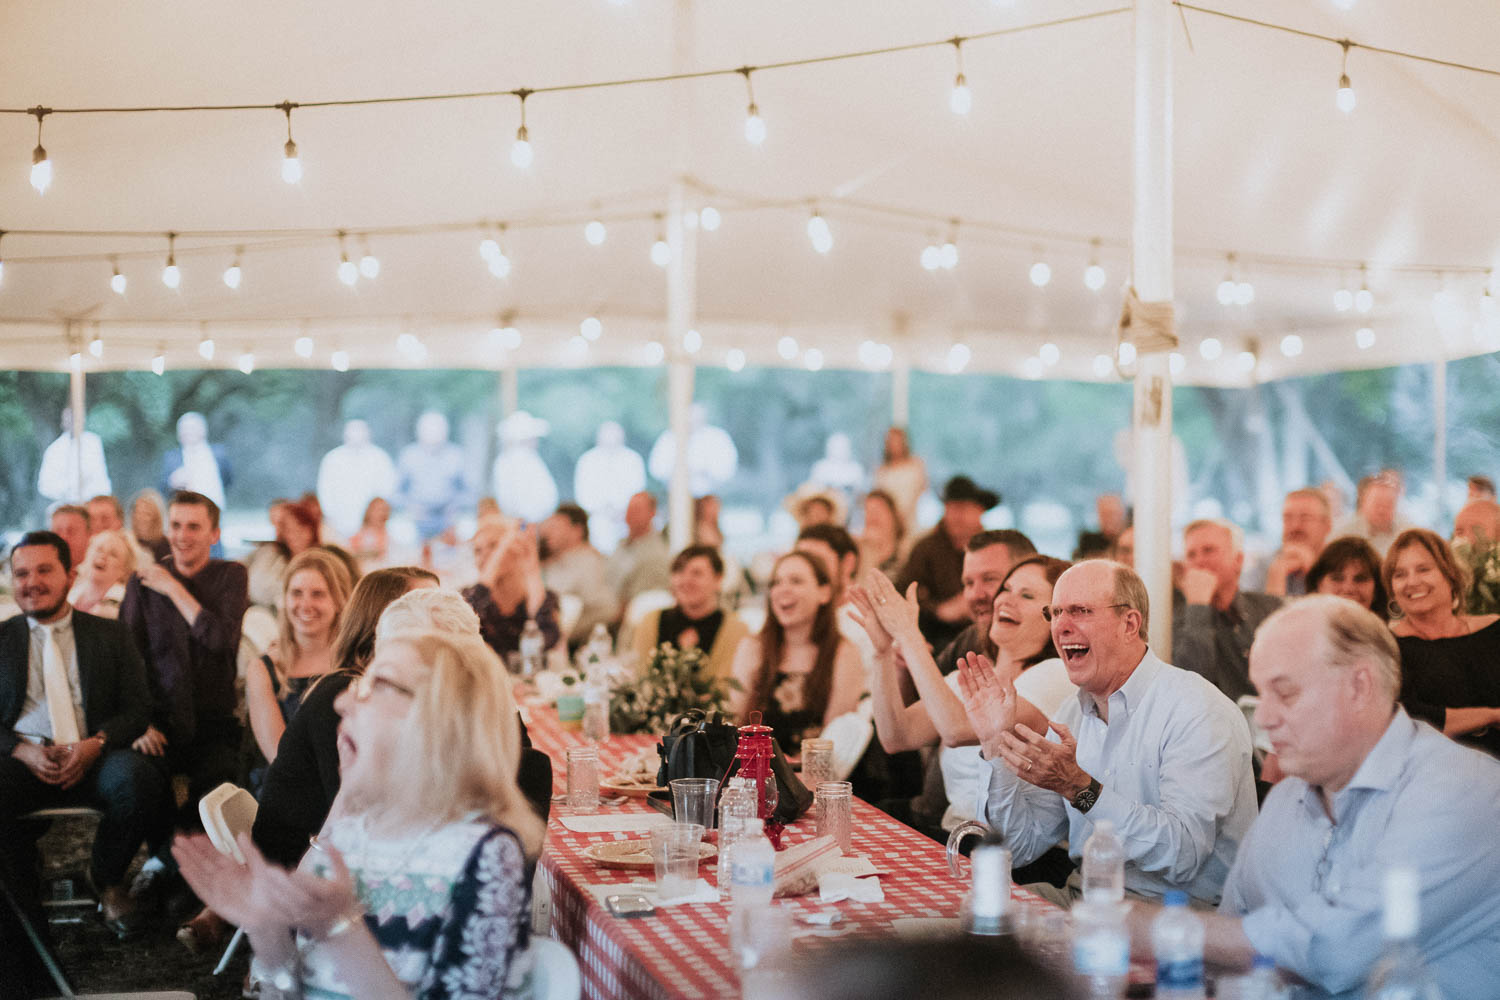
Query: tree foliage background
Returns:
{"type": "Point", "coordinates": [1034, 441]}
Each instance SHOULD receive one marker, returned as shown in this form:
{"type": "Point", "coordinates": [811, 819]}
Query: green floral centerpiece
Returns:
{"type": "Point", "coordinates": [1483, 559]}
{"type": "Point", "coordinates": [675, 681]}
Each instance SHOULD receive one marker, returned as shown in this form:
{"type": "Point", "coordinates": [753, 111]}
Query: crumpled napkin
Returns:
{"type": "Point", "coordinates": [834, 887]}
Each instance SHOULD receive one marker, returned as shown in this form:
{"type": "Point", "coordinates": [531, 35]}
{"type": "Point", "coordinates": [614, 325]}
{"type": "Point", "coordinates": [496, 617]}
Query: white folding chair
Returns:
{"type": "Point", "coordinates": [554, 971]}
{"type": "Point", "coordinates": [227, 812]}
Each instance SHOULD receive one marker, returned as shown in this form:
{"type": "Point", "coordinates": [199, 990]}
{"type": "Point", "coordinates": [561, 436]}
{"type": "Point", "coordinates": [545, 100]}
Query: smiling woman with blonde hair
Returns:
{"type": "Point", "coordinates": [422, 887]}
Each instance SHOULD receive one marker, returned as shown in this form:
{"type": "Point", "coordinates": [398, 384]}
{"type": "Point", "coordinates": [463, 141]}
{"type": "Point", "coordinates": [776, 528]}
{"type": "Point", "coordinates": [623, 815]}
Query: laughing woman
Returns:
{"type": "Point", "coordinates": [421, 889]}
{"type": "Point", "coordinates": [799, 673]}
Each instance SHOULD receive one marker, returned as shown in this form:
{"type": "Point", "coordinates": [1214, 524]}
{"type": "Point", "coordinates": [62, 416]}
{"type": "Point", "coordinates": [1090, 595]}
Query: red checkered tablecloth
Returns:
{"type": "Point", "coordinates": [683, 950]}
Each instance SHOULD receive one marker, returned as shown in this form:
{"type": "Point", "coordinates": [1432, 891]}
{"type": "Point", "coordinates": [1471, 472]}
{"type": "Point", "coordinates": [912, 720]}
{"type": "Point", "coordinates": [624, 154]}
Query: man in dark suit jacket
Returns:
{"type": "Point", "coordinates": [71, 748]}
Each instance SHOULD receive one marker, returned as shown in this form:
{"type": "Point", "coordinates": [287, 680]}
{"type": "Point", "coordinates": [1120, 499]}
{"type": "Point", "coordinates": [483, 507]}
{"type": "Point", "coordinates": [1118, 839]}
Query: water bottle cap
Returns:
{"type": "Point", "coordinates": [1263, 962]}
{"type": "Point", "coordinates": [1175, 897]}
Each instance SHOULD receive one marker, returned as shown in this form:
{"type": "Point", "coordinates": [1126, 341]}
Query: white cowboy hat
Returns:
{"type": "Point", "coordinates": [522, 426]}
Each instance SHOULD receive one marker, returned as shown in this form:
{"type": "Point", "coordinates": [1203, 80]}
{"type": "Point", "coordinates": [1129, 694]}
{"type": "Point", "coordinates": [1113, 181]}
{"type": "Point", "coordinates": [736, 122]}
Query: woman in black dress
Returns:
{"type": "Point", "coordinates": [1450, 661]}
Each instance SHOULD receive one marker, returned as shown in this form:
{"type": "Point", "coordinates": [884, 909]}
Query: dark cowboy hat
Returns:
{"type": "Point", "coordinates": [964, 489]}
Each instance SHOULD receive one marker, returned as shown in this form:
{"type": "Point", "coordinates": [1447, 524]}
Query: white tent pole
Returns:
{"type": "Point", "coordinates": [682, 292]}
{"type": "Point", "coordinates": [76, 402]}
{"type": "Point", "coordinates": [1440, 438]}
{"type": "Point", "coordinates": [510, 390]}
{"type": "Point", "coordinates": [901, 392]}
{"type": "Point", "coordinates": [1151, 275]}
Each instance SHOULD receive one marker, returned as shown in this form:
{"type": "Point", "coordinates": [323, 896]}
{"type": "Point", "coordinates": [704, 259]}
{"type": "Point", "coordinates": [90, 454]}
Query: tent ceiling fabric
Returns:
{"type": "Point", "coordinates": [1265, 166]}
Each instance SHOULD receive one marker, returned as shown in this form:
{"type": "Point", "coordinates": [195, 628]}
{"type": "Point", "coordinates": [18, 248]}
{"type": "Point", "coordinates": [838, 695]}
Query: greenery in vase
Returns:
{"type": "Point", "coordinates": [675, 681]}
{"type": "Point", "coordinates": [1483, 559]}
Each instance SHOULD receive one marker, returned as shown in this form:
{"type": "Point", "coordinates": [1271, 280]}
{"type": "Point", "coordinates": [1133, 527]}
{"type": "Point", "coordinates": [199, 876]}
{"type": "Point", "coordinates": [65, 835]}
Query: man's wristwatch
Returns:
{"type": "Point", "coordinates": [1085, 799]}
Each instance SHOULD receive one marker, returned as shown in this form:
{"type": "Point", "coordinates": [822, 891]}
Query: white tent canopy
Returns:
{"type": "Point", "coordinates": [1266, 168]}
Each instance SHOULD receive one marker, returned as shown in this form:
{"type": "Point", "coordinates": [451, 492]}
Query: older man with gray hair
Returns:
{"type": "Point", "coordinates": [1213, 621]}
{"type": "Point", "coordinates": [1367, 789]}
{"type": "Point", "coordinates": [1159, 752]}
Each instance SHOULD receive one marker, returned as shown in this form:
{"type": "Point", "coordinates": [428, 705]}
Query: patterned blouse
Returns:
{"type": "Point", "coordinates": [450, 908]}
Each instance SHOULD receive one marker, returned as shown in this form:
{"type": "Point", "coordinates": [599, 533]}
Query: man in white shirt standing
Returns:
{"type": "Point", "coordinates": [73, 466]}
{"type": "Point", "coordinates": [1159, 752]}
{"type": "Point", "coordinates": [352, 475]}
{"type": "Point", "coordinates": [196, 466]}
{"type": "Point", "coordinates": [72, 698]}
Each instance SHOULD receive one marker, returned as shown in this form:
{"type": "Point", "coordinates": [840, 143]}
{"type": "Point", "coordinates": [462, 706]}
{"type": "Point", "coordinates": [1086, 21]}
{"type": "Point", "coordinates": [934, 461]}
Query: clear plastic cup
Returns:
{"type": "Point", "coordinates": [693, 800]}
{"type": "Point", "coordinates": [674, 851]}
{"type": "Point", "coordinates": [817, 762]}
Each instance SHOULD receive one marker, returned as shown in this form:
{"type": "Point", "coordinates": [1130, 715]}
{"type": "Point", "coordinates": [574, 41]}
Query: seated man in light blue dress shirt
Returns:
{"type": "Point", "coordinates": [1158, 751]}
{"type": "Point", "coordinates": [1367, 789]}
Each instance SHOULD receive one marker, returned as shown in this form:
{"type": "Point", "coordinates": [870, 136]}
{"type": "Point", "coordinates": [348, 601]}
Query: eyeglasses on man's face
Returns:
{"type": "Point", "coordinates": [1076, 612]}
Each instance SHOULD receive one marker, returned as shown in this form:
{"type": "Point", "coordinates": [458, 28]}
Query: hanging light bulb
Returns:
{"type": "Point", "coordinates": [206, 348]}
{"type": "Point", "coordinates": [291, 164]}
{"type": "Point", "coordinates": [1343, 300]}
{"type": "Point", "coordinates": [932, 257]}
{"type": "Point", "coordinates": [1050, 354]}
{"type": "Point", "coordinates": [520, 150]}
{"type": "Point", "coordinates": [961, 99]}
{"type": "Point", "coordinates": [96, 345]}
{"type": "Point", "coordinates": [959, 356]}
{"type": "Point", "coordinates": [1345, 99]}
{"type": "Point", "coordinates": [755, 125]}
{"type": "Point", "coordinates": [1126, 354]}
{"type": "Point", "coordinates": [1291, 345]}
{"type": "Point", "coordinates": [233, 273]}
{"type": "Point", "coordinates": [1227, 286]}
{"type": "Point", "coordinates": [709, 218]}
{"type": "Point", "coordinates": [348, 270]}
{"type": "Point", "coordinates": [1210, 348]}
{"type": "Point", "coordinates": [159, 362]}
{"type": "Point", "coordinates": [1093, 275]}
{"type": "Point", "coordinates": [117, 281]}
{"type": "Point", "coordinates": [1041, 273]}
{"type": "Point", "coordinates": [1244, 293]}
{"type": "Point", "coordinates": [499, 262]}
{"type": "Point", "coordinates": [369, 264]}
{"type": "Point", "coordinates": [786, 346]}
{"type": "Point", "coordinates": [591, 328]}
{"type": "Point", "coordinates": [41, 166]}
{"type": "Point", "coordinates": [303, 347]}
{"type": "Point", "coordinates": [246, 362]}
{"type": "Point", "coordinates": [819, 233]}
{"type": "Point", "coordinates": [1104, 365]}
{"type": "Point", "coordinates": [489, 249]}
{"type": "Point", "coordinates": [948, 252]}
{"type": "Point", "coordinates": [170, 275]}
{"type": "Point", "coordinates": [734, 359]}
{"type": "Point", "coordinates": [595, 233]}
{"type": "Point", "coordinates": [1176, 364]}
{"type": "Point", "coordinates": [339, 360]}
{"type": "Point", "coordinates": [653, 353]}
{"type": "Point", "coordinates": [812, 360]}
{"type": "Point", "coordinates": [1364, 338]}
{"type": "Point", "coordinates": [1364, 299]}
{"type": "Point", "coordinates": [661, 252]}
{"type": "Point", "coordinates": [692, 341]}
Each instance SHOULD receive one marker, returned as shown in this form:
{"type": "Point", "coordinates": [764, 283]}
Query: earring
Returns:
{"type": "Point", "coordinates": [1393, 608]}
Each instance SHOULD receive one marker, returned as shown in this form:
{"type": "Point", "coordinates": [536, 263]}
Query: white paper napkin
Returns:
{"type": "Point", "coordinates": [702, 893]}
{"type": "Point", "coordinates": [834, 887]}
{"type": "Point", "coordinates": [615, 822]}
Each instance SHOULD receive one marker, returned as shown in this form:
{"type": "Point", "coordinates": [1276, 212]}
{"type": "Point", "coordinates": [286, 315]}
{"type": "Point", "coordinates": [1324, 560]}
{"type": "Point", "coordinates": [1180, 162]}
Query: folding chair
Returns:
{"type": "Point", "coordinates": [227, 812]}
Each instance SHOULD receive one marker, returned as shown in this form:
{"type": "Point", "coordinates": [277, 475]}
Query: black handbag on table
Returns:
{"type": "Point", "coordinates": [699, 745]}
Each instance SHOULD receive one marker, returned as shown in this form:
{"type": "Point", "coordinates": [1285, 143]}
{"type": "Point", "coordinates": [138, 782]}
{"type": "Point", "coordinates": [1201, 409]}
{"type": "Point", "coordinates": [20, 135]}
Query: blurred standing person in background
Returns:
{"type": "Point", "coordinates": [195, 465]}
{"type": "Point", "coordinates": [431, 480]}
{"type": "Point", "coordinates": [60, 478]}
{"type": "Point", "coordinates": [606, 479]}
{"type": "Point", "coordinates": [902, 475]}
{"type": "Point", "coordinates": [524, 487]}
{"type": "Point", "coordinates": [352, 475]}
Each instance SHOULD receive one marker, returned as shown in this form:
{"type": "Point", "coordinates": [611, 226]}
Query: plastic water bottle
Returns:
{"type": "Point", "coordinates": [599, 645]}
{"type": "Point", "coordinates": [1177, 941]}
{"type": "Point", "coordinates": [752, 875]}
{"type": "Point", "coordinates": [736, 805]}
{"type": "Point", "coordinates": [532, 649]}
{"type": "Point", "coordinates": [1101, 949]}
{"type": "Point", "coordinates": [1400, 971]}
{"type": "Point", "coordinates": [1262, 983]}
{"type": "Point", "coordinates": [1103, 865]}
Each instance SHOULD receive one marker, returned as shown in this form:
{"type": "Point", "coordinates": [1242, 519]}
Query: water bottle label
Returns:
{"type": "Point", "coordinates": [1180, 974]}
{"type": "Point", "coordinates": [1102, 955]}
{"type": "Point", "coordinates": [751, 874]}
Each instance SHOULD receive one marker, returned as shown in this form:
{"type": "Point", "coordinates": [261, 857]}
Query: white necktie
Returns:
{"type": "Point", "coordinates": [59, 692]}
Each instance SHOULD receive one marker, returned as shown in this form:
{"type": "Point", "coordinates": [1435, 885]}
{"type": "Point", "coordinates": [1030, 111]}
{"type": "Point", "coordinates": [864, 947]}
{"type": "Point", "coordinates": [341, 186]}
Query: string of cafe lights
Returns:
{"type": "Point", "coordinates": [522, 154]}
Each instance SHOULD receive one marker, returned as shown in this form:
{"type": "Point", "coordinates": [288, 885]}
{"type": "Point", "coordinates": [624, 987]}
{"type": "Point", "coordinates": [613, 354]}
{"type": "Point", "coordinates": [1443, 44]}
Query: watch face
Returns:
{"type": "Point", "coordinates": [1084, 800]}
